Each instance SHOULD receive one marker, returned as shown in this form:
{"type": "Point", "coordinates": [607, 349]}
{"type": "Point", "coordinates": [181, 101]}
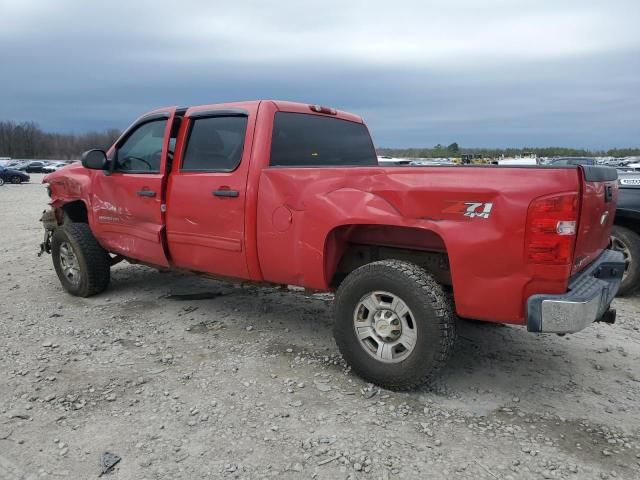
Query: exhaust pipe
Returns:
{"type": "Point", "coordinates": [608, 317]}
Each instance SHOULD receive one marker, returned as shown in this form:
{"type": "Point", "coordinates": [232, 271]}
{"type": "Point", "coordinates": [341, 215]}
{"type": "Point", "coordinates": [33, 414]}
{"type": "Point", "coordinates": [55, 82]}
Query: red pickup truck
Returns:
{"type": "Point", "coordinates": [291, 194]}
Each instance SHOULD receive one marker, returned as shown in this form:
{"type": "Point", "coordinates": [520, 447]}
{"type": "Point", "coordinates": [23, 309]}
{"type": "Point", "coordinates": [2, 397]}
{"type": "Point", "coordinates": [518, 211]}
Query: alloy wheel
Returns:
{"type": "Point", "coordinates": [385, 326]}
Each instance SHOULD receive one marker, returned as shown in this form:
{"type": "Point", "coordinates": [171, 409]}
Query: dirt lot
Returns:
{"type": "Point", "coordinates": [247, 383]}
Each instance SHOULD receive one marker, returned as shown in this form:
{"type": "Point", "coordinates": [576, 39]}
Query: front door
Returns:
{"type": "Point", "coordinates": [127, 203]}
{"type": "Point", "coordinates": [206, 193]}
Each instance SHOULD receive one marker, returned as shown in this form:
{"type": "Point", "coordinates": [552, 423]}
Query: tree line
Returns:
{"type": "Point", "coordinates": [28, 140]}
{"type": "Point", "coordinates": [453, 150]}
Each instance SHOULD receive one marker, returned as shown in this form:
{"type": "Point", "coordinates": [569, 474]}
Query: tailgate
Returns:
{"type": "Point", "coordinates": [597, 212]}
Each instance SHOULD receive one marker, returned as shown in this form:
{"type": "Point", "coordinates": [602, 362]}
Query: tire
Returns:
{"type": "Point", "coordinates": [430, 319]}
{"type": "Point", "coordinates": [92, 262]}
{"type": "Point", "coordinates": [1, 181]}
{"type": "Point", "coordinates": [16, 180]}
{"type": "Point", "coordinates": [628, 242]}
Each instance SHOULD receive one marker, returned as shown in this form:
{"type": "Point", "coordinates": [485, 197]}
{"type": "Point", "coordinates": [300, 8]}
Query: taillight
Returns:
{"type": "Point", "coordinates": [551, 229]}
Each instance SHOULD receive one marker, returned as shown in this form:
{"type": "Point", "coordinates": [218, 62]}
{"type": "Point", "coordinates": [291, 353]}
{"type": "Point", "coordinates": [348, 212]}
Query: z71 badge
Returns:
{"type": "Point", "coordinates": [471, 209]}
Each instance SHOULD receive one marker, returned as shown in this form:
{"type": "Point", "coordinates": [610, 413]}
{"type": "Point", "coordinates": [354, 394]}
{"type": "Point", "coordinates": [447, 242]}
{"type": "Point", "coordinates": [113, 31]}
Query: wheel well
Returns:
{"type": "Point", "coordinates": [351, 246]}
{"type": "Point", "coordinates": [76, 212]}
{"type": "Point", "coordinates": [632, 224]}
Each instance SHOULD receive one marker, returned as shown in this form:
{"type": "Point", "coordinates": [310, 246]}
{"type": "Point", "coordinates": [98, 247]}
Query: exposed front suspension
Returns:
{"type": "Point", "coordinates": [50, 223]}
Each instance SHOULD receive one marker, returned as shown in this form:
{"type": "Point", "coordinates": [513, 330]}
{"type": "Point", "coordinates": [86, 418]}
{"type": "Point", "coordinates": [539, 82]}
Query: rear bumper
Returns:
{"type": "Point", "coordinates": [588, 299]}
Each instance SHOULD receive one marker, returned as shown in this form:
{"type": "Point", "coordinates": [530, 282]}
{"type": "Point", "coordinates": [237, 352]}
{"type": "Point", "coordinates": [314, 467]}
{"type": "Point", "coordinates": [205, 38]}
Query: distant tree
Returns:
{"type": "Point", "coordinates": [454, 150]}
{"type": "Point", "coordinates": [27, 140]}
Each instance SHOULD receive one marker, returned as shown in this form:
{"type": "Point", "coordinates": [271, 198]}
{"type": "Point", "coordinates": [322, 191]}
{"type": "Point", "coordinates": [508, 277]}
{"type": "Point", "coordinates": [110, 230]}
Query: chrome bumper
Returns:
{"type": "Point", "coordinates": [588, 299]}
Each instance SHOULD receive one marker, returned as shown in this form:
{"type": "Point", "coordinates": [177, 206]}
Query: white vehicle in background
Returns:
{"type": "Point", "coordinates": [527, 158]}
{"type": "Point", "coordinates": [430, 162]}
{"type": "Point", "coordinates": [386, 161]}
{"type": "Point", "coordinates": [517, 161]}
{"type": "Point", "coordinates": [630, 167]}
{"type": "Point", "coordinates": [52, 167]}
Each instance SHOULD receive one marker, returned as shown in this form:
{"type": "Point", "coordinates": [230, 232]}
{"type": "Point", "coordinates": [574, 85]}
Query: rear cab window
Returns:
{"type": "Point", "coordinates": [215, 144]}
{"type": "Point", "coordinates": [305, 140]}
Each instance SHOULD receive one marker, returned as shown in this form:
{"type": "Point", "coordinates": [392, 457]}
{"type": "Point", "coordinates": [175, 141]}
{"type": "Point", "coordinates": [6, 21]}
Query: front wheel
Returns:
{"type": "Point", "coordinates": [394, 324]}
{"type": "Point", "coordinates": [82, 265]}
{"type": "Point", "coordinates": [628, 242]}
{"type": "Point", "coordinates": [16, 180]}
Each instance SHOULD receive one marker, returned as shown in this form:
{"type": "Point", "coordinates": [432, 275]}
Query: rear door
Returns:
{"type": "Point", "coordinates": [206, 193]}
{"type": "Point", "coordinates": [598, 210]}
{"type": "Point", "coordinates": [128, 203]}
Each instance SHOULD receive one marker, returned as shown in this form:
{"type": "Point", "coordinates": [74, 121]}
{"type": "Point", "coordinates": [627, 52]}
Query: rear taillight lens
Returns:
{"type": "Point", "coordinates": [551, 229]}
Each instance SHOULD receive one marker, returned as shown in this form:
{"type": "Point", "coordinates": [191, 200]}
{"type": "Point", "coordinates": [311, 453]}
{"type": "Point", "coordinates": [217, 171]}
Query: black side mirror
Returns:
{"type": "Point", "coordinates": [94, 159]}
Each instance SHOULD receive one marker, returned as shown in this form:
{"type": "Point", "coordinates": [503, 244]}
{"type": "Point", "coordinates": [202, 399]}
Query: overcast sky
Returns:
{"type": "Point", "coordinates": [481, 73]}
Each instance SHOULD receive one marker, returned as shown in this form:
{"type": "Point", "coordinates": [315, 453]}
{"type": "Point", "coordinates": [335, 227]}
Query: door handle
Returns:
{"type": "Point", "coordinates": [226, 193]}
{"type": "Point", "coordinates": [146, 193]}
{"type": "Point", "coordinates": [608, 193]}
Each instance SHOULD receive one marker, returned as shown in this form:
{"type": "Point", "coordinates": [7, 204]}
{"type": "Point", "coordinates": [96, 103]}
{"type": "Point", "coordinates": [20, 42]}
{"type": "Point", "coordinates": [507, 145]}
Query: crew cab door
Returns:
{"type": "Point", "coordinates": [127, 201]}
{"type": "Point", "coordinates": [206, 191]}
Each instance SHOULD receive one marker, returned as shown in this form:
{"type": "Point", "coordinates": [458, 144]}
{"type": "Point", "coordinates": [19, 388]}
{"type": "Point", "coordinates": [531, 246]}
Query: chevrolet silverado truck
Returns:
{"type": "Point", "coordinates": [283, 193]}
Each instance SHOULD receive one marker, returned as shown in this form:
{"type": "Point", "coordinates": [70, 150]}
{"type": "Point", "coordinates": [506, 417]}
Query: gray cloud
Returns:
{"type": "Point", "coordinates": [490, 73]}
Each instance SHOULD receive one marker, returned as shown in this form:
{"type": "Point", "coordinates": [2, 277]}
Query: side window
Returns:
{"type": "Point", "coordinates": [304, 140]}
{"type": "Point", "coordinates": [215, 144]}
{"type": "Point", "coordinates": [142, 150]}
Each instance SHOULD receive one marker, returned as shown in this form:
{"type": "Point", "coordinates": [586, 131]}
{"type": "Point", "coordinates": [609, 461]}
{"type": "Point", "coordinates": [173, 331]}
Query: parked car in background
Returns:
{"type": "Point", "coordinates": [17, 164]}
{"type": "Point", "coordinates": [630, 167]}
{"type": "Point", "coordinates": [36, 166]}
{"type": "Point", "coordinates": [523, 161]}
{"type": "Point", "coordinates": [625, 234]}
{"type": "Point", "coordinates": [11, 175]}
{"type": "Point", "coordinates": [429, 162]}
{"type": "Point", "coordinates": [52, 167]}
{"type": "Point", "coordinates": [568, 161]}
{"type": "Point", "coordinates": [386, 161]}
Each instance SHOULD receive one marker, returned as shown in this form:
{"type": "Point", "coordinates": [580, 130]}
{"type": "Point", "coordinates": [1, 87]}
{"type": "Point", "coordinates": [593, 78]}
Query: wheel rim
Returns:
{"type": "Point", "coordinates": [385, 326]}
{"type": "Point", "coordinates": [15, 180]}
{"type": "Point", "coordinates": [1, 181]}
{"type": "Point", "coordinates": [69, 263]}
{"type": "Point", "coordinates": [619, 246]}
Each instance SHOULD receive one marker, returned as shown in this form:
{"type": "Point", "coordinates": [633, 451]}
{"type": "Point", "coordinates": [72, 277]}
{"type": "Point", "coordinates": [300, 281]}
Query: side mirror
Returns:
{"type": "Point", "coordinates": [94, 159]}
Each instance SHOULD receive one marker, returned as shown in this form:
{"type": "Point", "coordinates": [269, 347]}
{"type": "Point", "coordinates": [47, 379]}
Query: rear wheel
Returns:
{"type": "Point", "coordinates": [16, 180]}
{"type": "Point", "coordinates": [394, 324]}
{"type": "Point", "coordinates": [1, 181]}
{"type": "Point", "coordinates": [82, 265]}
{"type": "Point", "coordinates": [627, 242]}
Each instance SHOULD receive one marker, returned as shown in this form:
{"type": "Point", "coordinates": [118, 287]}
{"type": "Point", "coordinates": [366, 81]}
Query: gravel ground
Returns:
{"type": "Point", "coordinates": [248, 383]}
